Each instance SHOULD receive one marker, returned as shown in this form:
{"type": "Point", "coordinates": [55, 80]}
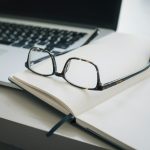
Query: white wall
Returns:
{"type": "Point", "coordinates": [135, 17]}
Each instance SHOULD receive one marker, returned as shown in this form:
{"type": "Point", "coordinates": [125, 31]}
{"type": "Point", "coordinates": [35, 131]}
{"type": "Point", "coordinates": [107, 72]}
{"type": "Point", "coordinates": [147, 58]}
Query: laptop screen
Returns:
{"type": "Point", "coordinates": [102, 13]}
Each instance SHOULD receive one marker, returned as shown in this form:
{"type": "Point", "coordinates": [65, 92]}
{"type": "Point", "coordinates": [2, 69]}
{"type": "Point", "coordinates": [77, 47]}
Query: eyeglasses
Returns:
{"type": "Point", "coordinates": [78, 72]}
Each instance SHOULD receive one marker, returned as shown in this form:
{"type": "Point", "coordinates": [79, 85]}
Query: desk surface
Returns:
{"type": "Point", "coordinates": [21, 114]}
{"type": "Point", "coordinates": [24, 109]}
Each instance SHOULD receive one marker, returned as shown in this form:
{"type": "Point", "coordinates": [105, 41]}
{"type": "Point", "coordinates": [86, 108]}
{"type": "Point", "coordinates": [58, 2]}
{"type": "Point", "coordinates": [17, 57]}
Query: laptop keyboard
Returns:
{"type": "Point", "coordinates": [27, 36]}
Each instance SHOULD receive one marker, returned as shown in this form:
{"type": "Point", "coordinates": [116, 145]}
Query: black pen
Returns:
{"type": "Point", "coordinates": [95, 33]}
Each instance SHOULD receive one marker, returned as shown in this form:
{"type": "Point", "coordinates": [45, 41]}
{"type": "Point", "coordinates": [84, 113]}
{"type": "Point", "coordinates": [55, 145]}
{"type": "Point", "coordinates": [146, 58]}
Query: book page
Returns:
{"type": "Point", "coordinates": [43, 96]}
{"type": "Point", "coordinates": [124, 119]}
{"type": "Point", "coordinates": [116, 56]}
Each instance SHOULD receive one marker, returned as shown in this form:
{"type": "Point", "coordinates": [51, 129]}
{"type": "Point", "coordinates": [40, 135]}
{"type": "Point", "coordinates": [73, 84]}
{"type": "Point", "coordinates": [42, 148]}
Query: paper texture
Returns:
{"type": "Point", "coordinates": [124, 117]}
{"type": "Point", "coordinates": [116, 56]}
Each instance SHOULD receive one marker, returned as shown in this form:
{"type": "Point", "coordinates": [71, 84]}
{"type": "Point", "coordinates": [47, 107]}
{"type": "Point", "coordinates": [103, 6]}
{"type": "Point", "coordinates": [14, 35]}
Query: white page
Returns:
{"type": "Point", "coordinates": [114, 52]}
{"type": "Point", "coordinates": [125, 117]}
{"type": "Point", "coordinates": [135, 17]}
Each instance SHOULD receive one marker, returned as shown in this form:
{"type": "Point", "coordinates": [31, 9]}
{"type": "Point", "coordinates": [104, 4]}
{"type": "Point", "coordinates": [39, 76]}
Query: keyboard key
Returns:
{"type": "Point", "coordinates": [42, 43]}
{"type": "Point", "coordinates": [62, 46]}
{"type": "Point", "coordinates": [6, 42]}
{"type": "Point", "coordinates": [28, 46]}
{"type": "Point", "coordinates": [50, 47]}
{"type": "Point", "coordinates": [20, 44]}
{"type": "Point", "coordinates": [27, 36]}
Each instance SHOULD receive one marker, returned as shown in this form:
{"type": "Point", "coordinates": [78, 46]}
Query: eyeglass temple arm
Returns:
{"type": "Point", "coordinates": [115, 82]}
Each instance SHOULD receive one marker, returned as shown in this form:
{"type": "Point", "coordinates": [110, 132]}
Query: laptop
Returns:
{"type": "Point", "coordinates": [58, 26]}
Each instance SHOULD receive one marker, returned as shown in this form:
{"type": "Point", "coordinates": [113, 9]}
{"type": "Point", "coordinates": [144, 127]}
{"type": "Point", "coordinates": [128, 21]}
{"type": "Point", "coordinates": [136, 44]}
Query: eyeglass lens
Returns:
{"type": "Point", "coordinates": [77, 72]}
{"type": "Point", "coordinates": [81, 73]}
{"type": "Point", "coordinates": [40, 62]}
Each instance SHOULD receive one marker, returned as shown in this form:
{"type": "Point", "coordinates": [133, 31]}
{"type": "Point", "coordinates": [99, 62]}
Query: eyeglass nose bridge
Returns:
{"type": "Point", "coordinates": [59, 74]}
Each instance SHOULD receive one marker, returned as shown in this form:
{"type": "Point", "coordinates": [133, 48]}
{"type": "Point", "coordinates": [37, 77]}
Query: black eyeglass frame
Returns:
{"type": "Point", "coordinates": [99, 86]}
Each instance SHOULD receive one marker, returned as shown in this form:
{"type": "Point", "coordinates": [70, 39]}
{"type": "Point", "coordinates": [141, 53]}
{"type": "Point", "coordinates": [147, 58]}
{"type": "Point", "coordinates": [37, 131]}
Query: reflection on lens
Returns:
{"type": "Point", "coordinates": [40, 62]}
{"type": "Point", "coordinates": [81, 73]}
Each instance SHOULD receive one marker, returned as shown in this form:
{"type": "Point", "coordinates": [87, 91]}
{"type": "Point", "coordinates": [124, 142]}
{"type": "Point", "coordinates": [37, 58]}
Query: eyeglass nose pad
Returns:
{"type": "Point", "coordinates": [67, 66]}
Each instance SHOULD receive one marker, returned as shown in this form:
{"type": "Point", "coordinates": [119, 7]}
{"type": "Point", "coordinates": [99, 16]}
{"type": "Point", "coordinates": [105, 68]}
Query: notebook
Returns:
{"type": "Point", "coordinates": [116, 55]}
{"type": "Point", "coordinates": [58, 26]}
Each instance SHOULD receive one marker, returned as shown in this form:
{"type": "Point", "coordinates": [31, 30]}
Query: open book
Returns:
{"type": "Point", "coordinates": [116, 55]}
